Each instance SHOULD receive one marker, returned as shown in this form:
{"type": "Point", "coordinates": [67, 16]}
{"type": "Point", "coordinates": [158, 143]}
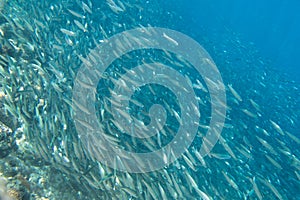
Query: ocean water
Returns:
{"type": "Point", "coordinates": [113, 99]}
{"type": "Point", "coordinates": [273, 26]}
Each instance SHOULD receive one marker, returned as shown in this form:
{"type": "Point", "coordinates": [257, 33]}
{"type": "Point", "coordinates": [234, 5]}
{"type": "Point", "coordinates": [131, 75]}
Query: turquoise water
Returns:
{"type": "Point", "coordinates": [45, 44]}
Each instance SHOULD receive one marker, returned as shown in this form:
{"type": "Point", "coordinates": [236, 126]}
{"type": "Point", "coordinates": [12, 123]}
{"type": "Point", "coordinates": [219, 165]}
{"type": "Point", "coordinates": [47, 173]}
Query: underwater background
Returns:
{"type": "Point", "coordinates": [253, 45]}
{"type": "Point", "coordinates": [273, 26]}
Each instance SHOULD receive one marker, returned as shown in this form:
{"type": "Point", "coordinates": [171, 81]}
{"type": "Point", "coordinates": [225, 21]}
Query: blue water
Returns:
{"type": "Point", "coordinates": [255, 47]}
{"type": "Point", "coordinates": [273, 26]}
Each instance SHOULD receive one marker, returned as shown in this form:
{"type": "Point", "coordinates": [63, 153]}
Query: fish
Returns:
{"type": "Point", "coordinates": [76, 14]}
{"type": "Point", "coordinates": [271, 187]}
{"type": "Point", "coordinates": [277, 127]}
{"type": "Point", "coordinates": [267, 145]}
{"type": "Point", "coordinates": [45, 44]}
{"type": "Point", "coordinates": [85, 7]}
{"type": "Point", "coordinates": [275, 163]}
{"type": "Point", "coordinates": [234, 92]}
{"type": "Point", "coordinates": [170, 39]}
{"type": "Point", "coordinates": [114, 7]}
{"type": "Point", "coordinates": [255, 188]}
{"type": "Point", "coordinates": [230, 181]}
{"type": "Point", "coordinates": [68, 32]}
{"type": "Point", "coordinates": [80, 25]}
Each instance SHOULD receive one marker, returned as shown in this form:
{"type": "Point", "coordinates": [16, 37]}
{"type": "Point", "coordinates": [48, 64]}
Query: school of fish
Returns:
{"type": "Point", "coordinates": [44, 43]}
